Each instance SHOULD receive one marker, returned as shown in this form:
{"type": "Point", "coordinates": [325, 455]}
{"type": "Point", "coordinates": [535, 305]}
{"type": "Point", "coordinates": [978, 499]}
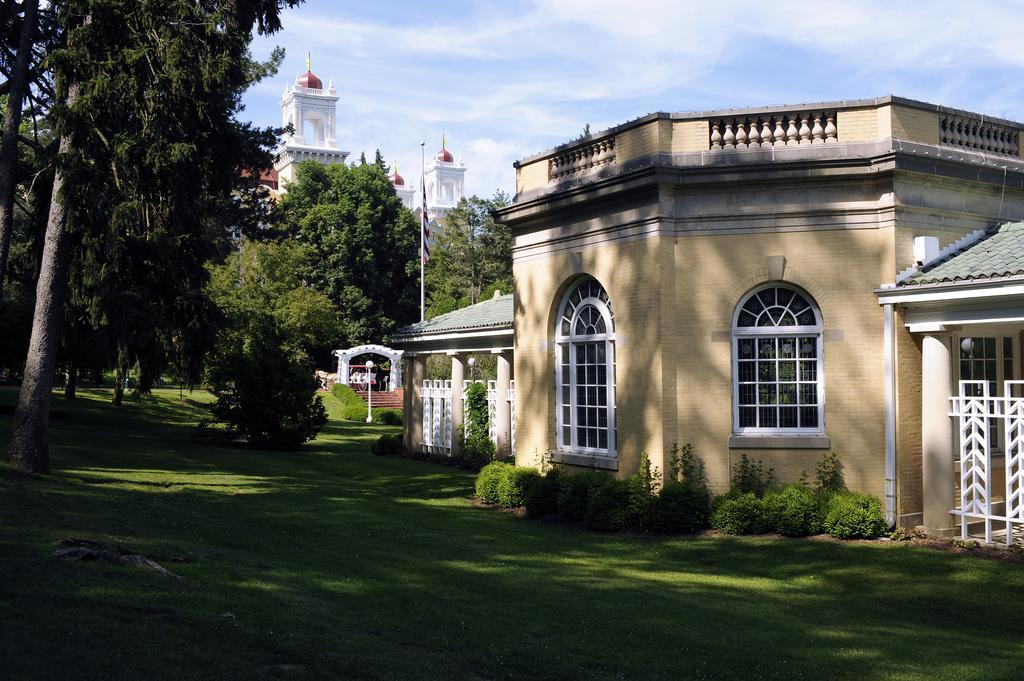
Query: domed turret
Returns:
{"type": "Point", "coordinates": [310, 80]}
{"type": "Point", "coordinates": [395, 178]}
{"type": "Point", "coordinates": [444, 156]}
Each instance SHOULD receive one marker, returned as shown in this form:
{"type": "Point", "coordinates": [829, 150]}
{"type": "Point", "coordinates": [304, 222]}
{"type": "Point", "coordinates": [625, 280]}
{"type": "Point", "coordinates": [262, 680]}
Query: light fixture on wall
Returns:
{"type": "Point", "coordinates": [472, 368]}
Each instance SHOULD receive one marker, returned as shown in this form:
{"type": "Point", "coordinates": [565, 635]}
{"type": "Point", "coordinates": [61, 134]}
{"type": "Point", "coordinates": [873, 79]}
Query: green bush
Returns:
{"type": "Point", "coordinates": [353, 407]}
{"type": "Point", "coordinates": [387, 416]}
{"type": "Point", "coordinates": [681, 507]}
{"type": "Point", "coordinates": [854, 516]}
{"type": "Point", "coordinates": [575, 493]}
{"type": "Point", "coordinates": [542, 497]}
{"type": "Point", "coordinates": [488, 479]}
{"type": "Point", "coordinates": [388, 445]}
{"type": "Point", "coordinates": [608, 505]}
{"type": "Point", "coordinates": [828, 475]}
{"type": "Point", "coordinates": [749, 475]}
{"type": "Point", "coordinates": [740, 514]}
{"type": "Point", "coordinates": [643, 489]}
{"type": "Point", "coordinates": [793, 511]}
{"type": "Point", "coordinates": [515, 484]}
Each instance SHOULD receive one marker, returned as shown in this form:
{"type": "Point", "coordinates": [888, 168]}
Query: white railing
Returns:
{"type": "Point", "coordinates": [437, 417]}
{"type": "Point", "coordinates": [968, 132]}
{"type": "Point", "coordinates": [511, 397]}
{"type": "Point", "coordinates": [984, 423]}
{"type": "Point", "coordinates": [773, 130]}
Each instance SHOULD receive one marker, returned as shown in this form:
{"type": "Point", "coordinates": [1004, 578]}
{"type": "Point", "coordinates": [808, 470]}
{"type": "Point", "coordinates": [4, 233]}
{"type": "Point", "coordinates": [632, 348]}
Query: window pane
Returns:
{"type": "Point", "coordinates": [748, 417]}
{"type": "Point", "coordinates": [766, 371]}
{"type": "Point", "coordinates": [768, 417]}
{"type": "Point", "coordinates": [787, 393]}
{"type": "Point", "coordinates": [808, 394]}
{"type": "Point", "coordinates": [600, 353]}
{"type": "Point", "coordinates": [768, 394]}
{"type": "Point", "coordinates": [745, 348]}
{"type": "Point", "coordinates": [808, 371]}
{"type": "Point", "coordinates": [787, 371]}
{"type": "Point", "coordinates": [747, 371]}
{"type": "Point", "coordinates": [808, 347]}
{"type": "Point", "coordinates": [808, 417]}
{"type": "Point", "coordinates": [748, 394]}
{"type": "Point", "coordinates": [787, 417]}
{"type": "Point", "coordinates": [766, 348]}
{"type": "Point", "coordinates": [787, 349]}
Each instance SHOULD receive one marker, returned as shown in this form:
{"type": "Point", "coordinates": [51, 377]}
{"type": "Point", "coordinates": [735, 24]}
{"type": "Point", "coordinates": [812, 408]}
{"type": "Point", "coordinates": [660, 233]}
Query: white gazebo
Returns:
{"type": "Point", "coordinates": [345, 358]}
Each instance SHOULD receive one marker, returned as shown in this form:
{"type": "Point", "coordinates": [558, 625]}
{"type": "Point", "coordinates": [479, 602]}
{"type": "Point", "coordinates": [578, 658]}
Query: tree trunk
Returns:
{"type": "Point", "coordinates": [120, 376]}
{"type": "Point", "coordinates": [12, 123]}
{"type": "Point", "coordinates": [29, 448]}
{"type": "Point", "coordinates": [71, 385]}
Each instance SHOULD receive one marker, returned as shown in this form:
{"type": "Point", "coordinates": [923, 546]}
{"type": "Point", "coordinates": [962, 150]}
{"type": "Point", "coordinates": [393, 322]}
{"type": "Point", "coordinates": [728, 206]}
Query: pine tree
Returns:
{"type": "Point", "coordinates": [149, 145]}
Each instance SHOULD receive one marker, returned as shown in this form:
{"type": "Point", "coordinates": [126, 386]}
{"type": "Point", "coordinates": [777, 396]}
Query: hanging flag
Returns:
{"type": "Point", "coordinates": [425, 219]}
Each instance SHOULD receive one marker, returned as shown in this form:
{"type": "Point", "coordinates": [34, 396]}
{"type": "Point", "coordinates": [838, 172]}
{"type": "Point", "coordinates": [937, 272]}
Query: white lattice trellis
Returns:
{"type": "Point", "coordinates": [492, 407]}
{"type": "Point", "coordinates": [511, 397]}
{"type": "Point", "coordinates": [977, 412]}
{"type": "Point", "coordinates": [437, 416]}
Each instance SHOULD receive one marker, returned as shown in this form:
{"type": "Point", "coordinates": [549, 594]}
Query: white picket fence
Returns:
{"type": "Point", "coordinates": [437, 417]}
{"type": "Point", "coordinates": [986, 423]}
{"type": "Point", "coordinates": [511, 397]}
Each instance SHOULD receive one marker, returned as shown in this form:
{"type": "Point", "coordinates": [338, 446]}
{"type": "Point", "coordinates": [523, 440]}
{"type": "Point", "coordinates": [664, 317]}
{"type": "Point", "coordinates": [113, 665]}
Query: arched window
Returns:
{"type": "Point", "coordinates": [777, 363]}
{"type": "Point", "coordinates": [585, 390]}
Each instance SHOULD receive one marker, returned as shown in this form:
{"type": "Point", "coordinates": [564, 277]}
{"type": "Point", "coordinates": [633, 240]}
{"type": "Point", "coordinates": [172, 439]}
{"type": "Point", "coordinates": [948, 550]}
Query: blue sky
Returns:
{"type": "Point", "coordinates": [504, 80]}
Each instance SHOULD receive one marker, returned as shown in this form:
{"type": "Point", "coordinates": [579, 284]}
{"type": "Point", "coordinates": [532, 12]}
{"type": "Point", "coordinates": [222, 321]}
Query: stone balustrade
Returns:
{"type": "Point", "coordinates": [582, 159]}
{"type": "Point", "coordinates": [975, 133]}
{"type": "Point", "coordinates": [773, 130]}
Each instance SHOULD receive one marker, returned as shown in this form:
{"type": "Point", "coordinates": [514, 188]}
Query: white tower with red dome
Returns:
{"type": "Point", "coordinates": [405, 192]}
{"type": "Point", "coordinates": [445, 181]}
{"type": "Point", "coordinates": [310, 109]}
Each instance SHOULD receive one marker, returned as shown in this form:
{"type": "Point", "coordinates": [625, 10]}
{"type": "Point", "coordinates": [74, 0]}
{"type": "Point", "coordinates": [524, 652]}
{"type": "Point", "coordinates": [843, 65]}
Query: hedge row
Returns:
{"type": "Point", "coordinates": [391, 445]}
{"type": "Point", "coordinates": [797, 511]}
{"type": "Point", "coordinates": [599, 501]}
{"type": "Point", "coordinates": [353, 407]}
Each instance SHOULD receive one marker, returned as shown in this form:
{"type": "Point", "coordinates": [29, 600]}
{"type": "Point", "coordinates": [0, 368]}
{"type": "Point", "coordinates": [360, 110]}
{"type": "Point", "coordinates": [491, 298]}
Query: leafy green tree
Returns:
{"type": "Point", "coordinates": [260, 369]}
{"type": "Point", "coordinates": [471, 256]}
{"type": "Point", "coordinates": [365, 246]}
{"type": "Point", "coordinates": [147, 93]}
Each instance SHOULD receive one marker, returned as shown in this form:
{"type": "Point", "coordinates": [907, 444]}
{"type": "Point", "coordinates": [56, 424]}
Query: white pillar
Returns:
{"type": "Point", "coordinates": [503, 415]}
{"type": "Point", "coordinates": [937, 435]}
{"type": "Point", "coordinates": [412, 403]}
{"type": "Point", "coordinates": [458, 375]}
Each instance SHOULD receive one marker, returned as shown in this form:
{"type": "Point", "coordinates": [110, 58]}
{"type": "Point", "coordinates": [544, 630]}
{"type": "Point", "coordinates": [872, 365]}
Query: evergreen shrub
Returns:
{"type": "Point", "coordinates": [514, 484]}
{"type": "Point", "coordinates": [850, 515]}
{"type": "Point", "coordinates": [542, 497]}
{"type": "Point", "coordinates": [681, 508]}
{"type": "Point", "coordinates": [488, 479]}
{"type": "Point", "coordinates": [739, 514]}
{"type": "Point", "coordinates": [388, 445]}
{"type": "Point", "coordinates": [608, 505]}
{"type": "Point", "coordinates": [793, 511]}
{"type": "Point", "coordinates": [387, 416]}
{"type": "Point", "coordinates": [574, 493]}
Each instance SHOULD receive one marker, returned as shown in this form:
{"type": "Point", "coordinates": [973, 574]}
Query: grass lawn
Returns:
{"type": "Point", "coordinates": [331, 563]}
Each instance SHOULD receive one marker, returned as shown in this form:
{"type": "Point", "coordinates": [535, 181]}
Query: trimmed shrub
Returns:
{"type": "Point", "coordinates": [574, 493]}
{"type": "Point", "coordinates": [793, 511]}
{"type": "Point", "coordinates": [542, 496]}
{"type": "Point", "coordinates": [387, 416]}
{"type": "Point", "coordinates": [608, 505]}
{"type": "Point", "coordinates": [388, 445]}
{"type": "Point", "coordinates": [740, 514]}
{"type": "Point", "coordinates": [488, 479]}
{"type": "Point", "coordinates": [681, 507]}
{"type": "Point", "coordinates": [854, 516]}
{"type": "Point", "coordinates": [353, 407]}
{"type": "Point", "coordinates": [514, 484]}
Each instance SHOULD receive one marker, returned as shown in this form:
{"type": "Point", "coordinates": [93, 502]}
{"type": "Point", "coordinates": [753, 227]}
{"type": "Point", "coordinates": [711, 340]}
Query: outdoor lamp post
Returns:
{"type": "Point", "coordinates": [472, 367]}
{"type": "Point", "coordinates": [369, 391]}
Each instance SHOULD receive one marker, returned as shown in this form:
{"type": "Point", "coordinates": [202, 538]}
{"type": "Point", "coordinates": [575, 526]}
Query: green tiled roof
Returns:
{"type": "Point", "coordinates": [999, 254]}
{"type": "Point", "coordinates": [490, 314]}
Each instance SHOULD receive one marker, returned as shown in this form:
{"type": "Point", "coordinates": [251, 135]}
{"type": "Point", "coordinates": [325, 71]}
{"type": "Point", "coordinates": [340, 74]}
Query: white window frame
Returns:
{"type": "Point", "coordinates": [757, 332]}
{"type": "Point", "coordinates": [573, 342]}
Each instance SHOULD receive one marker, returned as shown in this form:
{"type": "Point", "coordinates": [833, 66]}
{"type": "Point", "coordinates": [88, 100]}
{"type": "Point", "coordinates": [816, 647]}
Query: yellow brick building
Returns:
{"type": "Point", "coordinates": [719, 278]}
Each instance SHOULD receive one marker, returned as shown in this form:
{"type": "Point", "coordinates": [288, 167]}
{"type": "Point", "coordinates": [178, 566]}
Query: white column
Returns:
{"type": "Point", "coordinates": [503, 415]}
{"type": "Point", "coordinates": [937, 435]}
{"type": "Point", "coordinates": [412, 402]}
{"type": "Point", "coordinates": [458, 375]}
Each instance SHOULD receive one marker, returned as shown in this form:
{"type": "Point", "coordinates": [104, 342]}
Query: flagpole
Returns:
{"type": "Point", "coordinates": [423, 231]}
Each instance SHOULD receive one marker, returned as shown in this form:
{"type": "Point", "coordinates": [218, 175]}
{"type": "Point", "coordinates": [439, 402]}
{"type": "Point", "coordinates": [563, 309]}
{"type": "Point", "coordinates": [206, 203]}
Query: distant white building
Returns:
{"type": "Point", "coordinates": [310, 109]}
{"type": "Point", "coordinates": [445, 180]}
{"type": "Point", "coordinates": [405, 191]}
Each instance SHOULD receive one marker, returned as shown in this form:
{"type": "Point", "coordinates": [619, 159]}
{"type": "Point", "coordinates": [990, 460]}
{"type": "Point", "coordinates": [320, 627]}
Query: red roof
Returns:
{"type": "Point", "coordinates": [308, 79]}
{"type": "Point", "coordinates": [396, 179]}
{"type": "Point", "coordinates": [268, 178]}
{"type": "Point", "coordinates": [444, 156]}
